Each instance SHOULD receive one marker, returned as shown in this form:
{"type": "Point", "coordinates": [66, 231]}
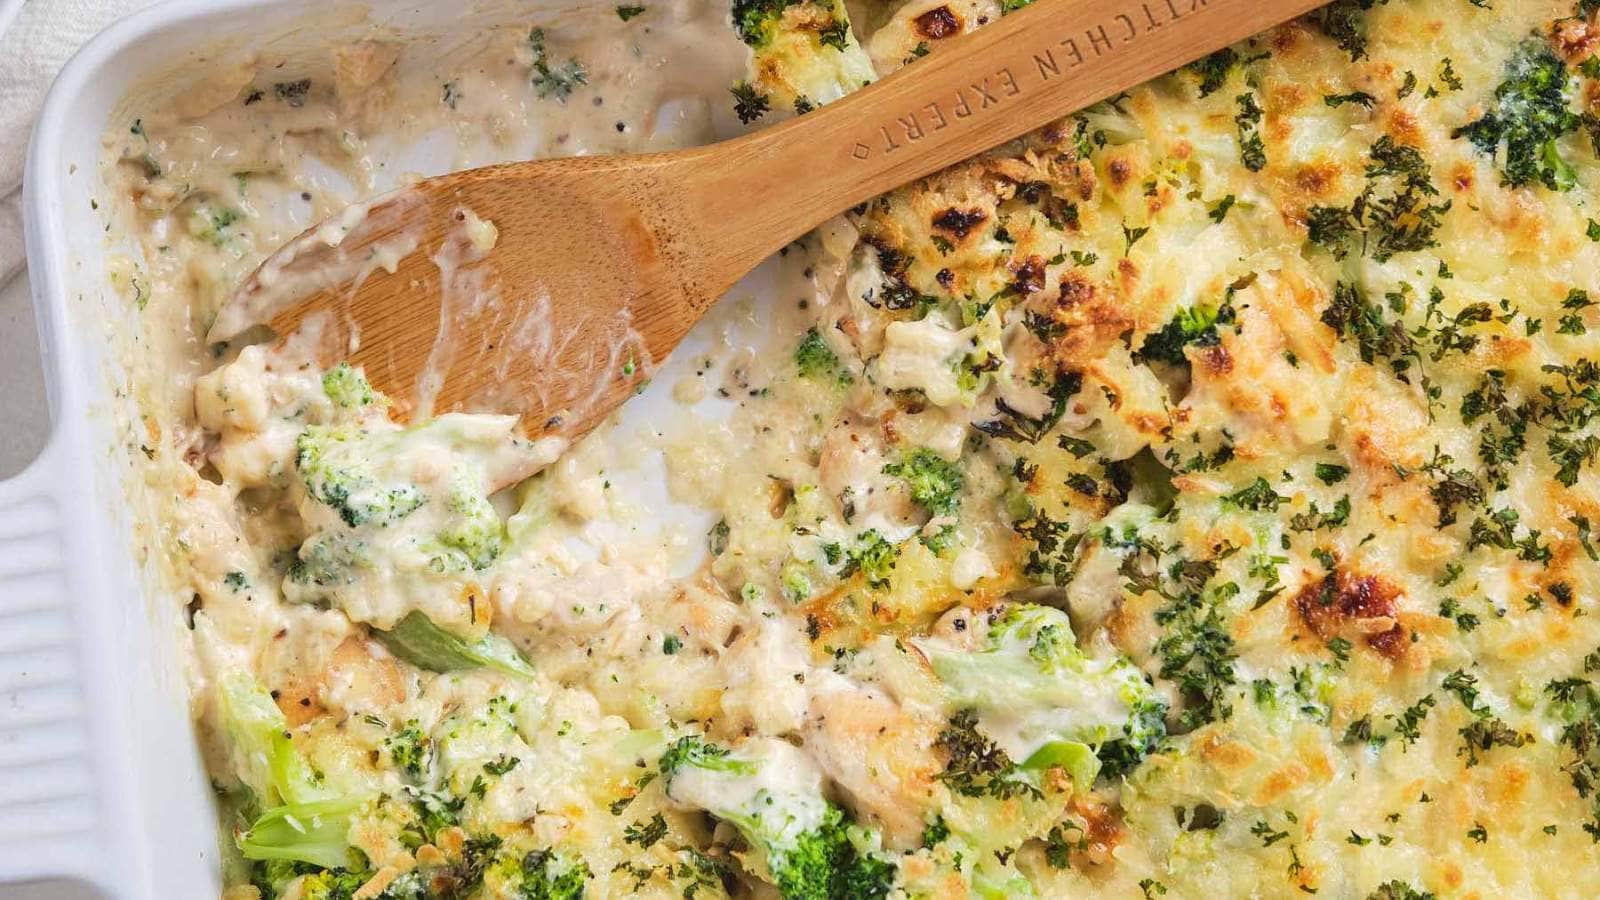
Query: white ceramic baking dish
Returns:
{"type": "Point", "coordinates": [101, 788]}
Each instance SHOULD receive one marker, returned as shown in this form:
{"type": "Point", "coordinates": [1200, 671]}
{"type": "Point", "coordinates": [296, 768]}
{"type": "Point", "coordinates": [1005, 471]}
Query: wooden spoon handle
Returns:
{"type": "Point", "coordinates": [978, 91]}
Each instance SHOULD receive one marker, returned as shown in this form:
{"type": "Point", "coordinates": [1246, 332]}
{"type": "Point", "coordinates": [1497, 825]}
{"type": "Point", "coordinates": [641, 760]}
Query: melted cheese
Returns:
{"type": "Point", "coordinates": [1302, 447]}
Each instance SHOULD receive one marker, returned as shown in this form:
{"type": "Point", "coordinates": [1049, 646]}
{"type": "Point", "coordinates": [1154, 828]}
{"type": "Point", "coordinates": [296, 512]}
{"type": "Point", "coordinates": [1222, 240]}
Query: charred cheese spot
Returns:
{"type": "Point", "coordinates": [1354, 607]}
{"type": "Point", "coordinates": [1405, 127]}
{"type": "Point", "coordinates": [1029, 275]}
{"type": "Point", "coordinates": [959, 222]}
{"type": "Point", "coordinates": [1089, 321]}
{"type": "Point", "coordinates": [1214, 359]}
{"type": "Point", "coordinates": [1575, 39]}
{"type": "Point", "coordinates": [1318, 179]}
{"type": "Point", "coordinates": [1121, 171]}
{"type": "Point", "coordinates": [938, 23]}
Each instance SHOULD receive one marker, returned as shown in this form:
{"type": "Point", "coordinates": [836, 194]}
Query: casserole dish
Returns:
{"type": "Point", "coordinates": [1143, 519]}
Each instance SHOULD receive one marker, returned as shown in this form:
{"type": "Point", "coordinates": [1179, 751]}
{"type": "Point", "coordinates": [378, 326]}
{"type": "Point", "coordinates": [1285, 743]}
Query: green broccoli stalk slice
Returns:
{"type": "Point", "coordinates": [315, 832]}
{"type": "Point", "coordinates": [772, 793]}
{"type": "Point", "coordinates": [306, 821]}
{"type": "Point", "coordinates": [934, 481]}
{"type": "Point", "coordinates": [993, 882]}
{"type": "Point", "coordinates": [1054, 705]}
{"type": "Point", "coordinates": [265, 758]}
{"type": "Point", "coordinates": [417, 640]}
{"type": "Point", "coordinates": [1077, 760]}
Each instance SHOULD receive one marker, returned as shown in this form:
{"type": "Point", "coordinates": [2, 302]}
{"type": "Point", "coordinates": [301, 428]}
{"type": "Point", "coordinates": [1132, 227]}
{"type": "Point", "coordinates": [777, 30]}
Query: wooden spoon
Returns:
{"type": "Point", "coordinates": [602, 264]}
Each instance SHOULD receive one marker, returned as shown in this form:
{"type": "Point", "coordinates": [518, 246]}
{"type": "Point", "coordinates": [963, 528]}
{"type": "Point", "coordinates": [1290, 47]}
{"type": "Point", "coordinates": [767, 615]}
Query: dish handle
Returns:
{"type": "Point", "coordinates": [50, 803]}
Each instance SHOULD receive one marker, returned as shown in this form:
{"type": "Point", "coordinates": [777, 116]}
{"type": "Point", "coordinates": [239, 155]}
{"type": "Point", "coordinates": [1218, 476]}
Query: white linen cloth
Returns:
{"type": "Point", "coordinates": [37, 37]}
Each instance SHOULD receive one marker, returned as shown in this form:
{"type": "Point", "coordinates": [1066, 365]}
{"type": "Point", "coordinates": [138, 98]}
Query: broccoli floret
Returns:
{"type": "Point", "coordinates": [772, 793]}
{"type": "Point", "coordinates": [1196, 325]}
{"type": "Point", "coordinates": [1532, 111]}
{"type": "Point", "coordinates": [873, 556]}
{"type": "Point", "coordinates": [816, 360]}
{"type": "Point", "coordinates": [417, 640]}
{"type": "Point", "coordinates": [336, 465]}
{"type": "Point", "coordinates": [410, 750]}
{"type": "Point", "coordinates": [933, 480]}
{"type": "Point", "coordinates": [758, 20]}
{"type": "Point", "coordinates": [347, 387]}
{"type": "Point", "coordinates": [316, 832]}
{"type": "Point", "coordinates": [329, 559]}
{"type": "Point", "coordinates": [342, 884]}
{"type": "Point", "coordinates": [331, 884]}
{"type": "Point", "coordinates": [475, 537]}
{"type": "Point", "coordinates": [548, 875]}
{"type": "Point", "coordinates": [271, 877]}
{"type": "Point", "coordinates": [864, 876]}
{"type": "Point", "coordinates": [360, 489]}
{"type": "Point", "coordinates": [212, 224]}
{"type": "Point", "coordinates": [1141, 736]}
{"type": "Point", "coordinates": [1062, 708]}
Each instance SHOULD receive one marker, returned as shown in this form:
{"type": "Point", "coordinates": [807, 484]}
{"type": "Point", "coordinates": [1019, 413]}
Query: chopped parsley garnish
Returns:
{"type": "Point", "coordinates": [647, 833]}
{"type": "Point", "coordinates": [1395, 213]}
{"type": "Point", "coordinates": [749, 104]}
{"type": "Point", "coordinates": [1252, 150]}
{"type": "Point", "coordinates": [1256, 496]}
{"type": "Point", "coordinates": [1359, 98]}
{"type": "Point", "coordinates": [1331, 474]}
{"type": "Point", "coordinates": [977, 767]}
{"type": "Point", "coordinates": [1345, 22]}
{"type": "Point", "coordinates": [553, 81]}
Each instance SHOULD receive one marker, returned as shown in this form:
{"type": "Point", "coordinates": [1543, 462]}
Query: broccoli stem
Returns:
{"type": "Point", "coordinates": [417, 640]}
{"type": "Point", "coordinates": [316, 833]}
